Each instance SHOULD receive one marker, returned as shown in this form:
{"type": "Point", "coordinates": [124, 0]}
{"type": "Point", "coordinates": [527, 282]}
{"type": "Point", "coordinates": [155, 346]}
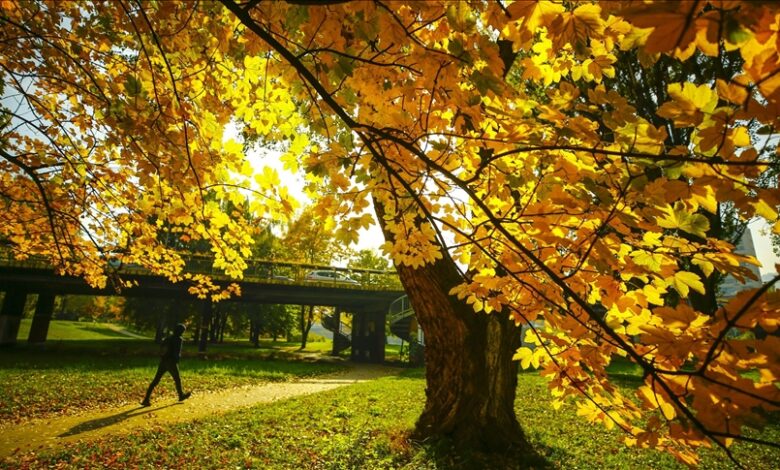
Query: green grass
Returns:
{"type": "Point", "coordinates": [365, 426]}
{"type": "Point", "coordinates": [94, 374]}
{"type": "Point", "coordinates": [73, 330]}
{"type": "Point", "coordinates": [62, 330]}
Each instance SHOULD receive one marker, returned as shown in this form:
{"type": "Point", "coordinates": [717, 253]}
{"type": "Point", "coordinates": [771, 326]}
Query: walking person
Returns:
{"type": "Point", "coordinates": [169, 362]}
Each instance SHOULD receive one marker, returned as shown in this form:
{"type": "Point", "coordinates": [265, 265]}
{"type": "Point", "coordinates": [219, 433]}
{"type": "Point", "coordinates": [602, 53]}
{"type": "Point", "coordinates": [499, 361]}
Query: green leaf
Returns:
{"type": "Point", "coordinates": [133, 86]}
{"type": "Point", "coordinates": [484, 82]}
{"type": "Point", "coordinates": [734, 32]}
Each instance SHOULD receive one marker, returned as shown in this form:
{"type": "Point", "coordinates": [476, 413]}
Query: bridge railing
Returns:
{"type": "Point", "coordinates": [400, 308]}
{"type": "Point", "coordinates": [282, 272]}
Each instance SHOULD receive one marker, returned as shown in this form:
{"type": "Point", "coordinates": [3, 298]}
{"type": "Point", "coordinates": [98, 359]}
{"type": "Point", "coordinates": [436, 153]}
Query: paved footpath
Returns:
{"type": "Point", "coordinates": [52, 432]}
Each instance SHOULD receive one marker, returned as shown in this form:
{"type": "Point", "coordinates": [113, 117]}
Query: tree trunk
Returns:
{"type": "Point", "coordinates": [222, 326]}
{"type": "Point", "coordinates": [306, 320]}
{"type": "Point", "coordinates": [159, 333]}
{"type": "Point", "coordinates": [471, 378]}
{"type": "Point", "coordinates": [254, 331]}
{"type": "Point", "coordinates": [207, 311]}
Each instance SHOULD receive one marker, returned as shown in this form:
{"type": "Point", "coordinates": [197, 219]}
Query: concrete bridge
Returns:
{"type": "Point", "coordinates": [367, 297]}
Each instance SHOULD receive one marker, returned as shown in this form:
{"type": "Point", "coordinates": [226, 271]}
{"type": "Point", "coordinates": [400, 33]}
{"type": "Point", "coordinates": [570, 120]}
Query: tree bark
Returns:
{"type": "Point", "coordinates": [306, 320]}
{"type": "Point", "coordinates": [471, 378]}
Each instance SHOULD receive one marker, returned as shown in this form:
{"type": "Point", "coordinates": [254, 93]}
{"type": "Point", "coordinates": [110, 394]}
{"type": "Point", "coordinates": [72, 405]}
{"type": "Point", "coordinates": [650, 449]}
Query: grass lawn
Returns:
{"type": "Point", "coordinates": [73, 330]}
{"type": "Point", "coordinates": [62, 330]}
{"type": "Point", "coordinates": [364, 426]}
{"type": "Point", "coordinates": [62, 376]}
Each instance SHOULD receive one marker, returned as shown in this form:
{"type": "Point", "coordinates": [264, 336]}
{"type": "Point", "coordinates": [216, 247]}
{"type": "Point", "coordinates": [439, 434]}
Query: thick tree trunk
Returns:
{"type": "Point", "coordinates": [471, 378]}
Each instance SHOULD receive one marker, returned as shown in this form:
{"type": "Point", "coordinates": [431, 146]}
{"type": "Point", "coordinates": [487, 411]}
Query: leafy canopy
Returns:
{"type": "Point", "coordinates": [485, 127]}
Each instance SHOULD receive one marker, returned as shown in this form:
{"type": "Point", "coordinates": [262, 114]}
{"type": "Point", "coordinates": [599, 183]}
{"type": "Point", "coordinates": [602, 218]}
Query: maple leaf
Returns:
{"type": "Point", "coordinates": [689, 104]}
{"type": "Point", "coordinates": [679, 217]}
{"type": "Point", "coordinates": [683, 281]}
{"type": "Point", "coordinates": [672, 22]}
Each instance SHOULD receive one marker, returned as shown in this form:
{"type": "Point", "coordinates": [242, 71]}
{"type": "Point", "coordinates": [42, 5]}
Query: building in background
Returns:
{"type": "Point", "coordinates": [731, 285]}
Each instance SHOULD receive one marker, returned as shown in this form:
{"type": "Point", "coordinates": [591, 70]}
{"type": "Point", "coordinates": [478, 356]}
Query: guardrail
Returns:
{"type": "Point", "coordinates": [267, 271]}
{"type": "Point", "coordinates": [400, 308]}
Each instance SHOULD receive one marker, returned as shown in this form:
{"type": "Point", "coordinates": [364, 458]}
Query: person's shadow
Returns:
{"type": "Point", "coordinates": [110, 420]}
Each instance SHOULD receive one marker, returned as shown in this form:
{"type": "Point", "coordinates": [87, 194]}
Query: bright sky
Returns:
{"type": "Point", "coordinates": [369, 239]}
{"type": "Point", "coordinates": [763, 244]}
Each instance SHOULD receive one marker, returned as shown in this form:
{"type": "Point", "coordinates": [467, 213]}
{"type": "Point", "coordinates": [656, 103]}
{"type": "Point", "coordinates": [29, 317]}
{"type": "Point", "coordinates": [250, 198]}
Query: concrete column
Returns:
{"type": "Point", "coordinates": [356, 353]}
{"type": "Point", "coordinates": [378, 336]}
{"type": "Point", "coordinates": [368, 337]}
{"type": "Point", "coordinates": [40, 323]}
{"type": "Point", "coordinates": [11, 315]}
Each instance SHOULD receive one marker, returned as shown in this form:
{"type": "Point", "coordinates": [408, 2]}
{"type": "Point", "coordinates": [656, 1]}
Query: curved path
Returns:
{"type": "Point", "coordinates": [48, 433]}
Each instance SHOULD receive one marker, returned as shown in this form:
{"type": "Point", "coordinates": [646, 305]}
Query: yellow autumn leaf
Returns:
{"type": "Point", "coordinates": [732, 92]}
{"type": "Point", "coordinates": [233, 147]}
{"type": "Point", "coordinates": [653, 294]}
{"type": "Point", "coordinates": [678, 217]}
{"type": "Point", "coordinates": [683, 281]}
{"type": "Point", "coordinates": [765, 210]}
{"type": "Point", "coordinates": [688, 104]}
{"type": "Point", "coordinates": [649, 260]}
{"type": "Point", "coordinates": [656, 400]}
{"type": "Point", "coordinates": [528, 357]}
{"type": "Point", "coordinates": [531, 13]}
{"type": "Point", "coordinates": [672, 28]}
{"type": "Point", "coordinates": [706, 266]}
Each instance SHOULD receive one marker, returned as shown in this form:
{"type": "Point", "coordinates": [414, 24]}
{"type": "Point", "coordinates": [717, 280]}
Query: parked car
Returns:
{"type": "Point", "coordinates": [329, 276]}
{"type": "Point", "coordinates": [282, 278]}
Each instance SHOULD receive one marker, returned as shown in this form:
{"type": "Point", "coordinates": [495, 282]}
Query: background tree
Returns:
{"type": "Point", "coordinates": [310, 239]}
{"type": "Point", "coordinates": [643, 81]}
{"type": "Point", "coordinates": [371, 259]}
{"type": "Point", "coordinates": [271, 320]}
{"type": "Point", "coordinates": [157, 314]}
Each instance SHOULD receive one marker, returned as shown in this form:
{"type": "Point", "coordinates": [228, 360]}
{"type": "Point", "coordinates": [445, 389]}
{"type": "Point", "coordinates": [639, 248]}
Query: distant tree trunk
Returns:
{"type": "Point", "coordinates": [306, 319]}
{"type": "Point", "coordinates": [196, 335]}
{"type": "Point", "coordinates": [254, 329]}
{"type": "Point", "coordinates": [222, 326]}
{"type": "Point", "coordinates": [207, 312]}
{"type": "Point", "coordinates": [471, 378]}
{"type": "Point", "coordinates": [160, 330]}
{"type": "Point", "coordinates": [214, 326]}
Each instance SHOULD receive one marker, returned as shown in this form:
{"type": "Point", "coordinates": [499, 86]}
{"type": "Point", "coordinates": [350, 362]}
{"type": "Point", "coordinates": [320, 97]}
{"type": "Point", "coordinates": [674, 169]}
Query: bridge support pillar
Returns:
{"type": "Point", "coordinates": [40, 323]}
{"type": "Point", "coordinates": [368, 337]}
{"type": "Point", "coordinates": [205, 324]}
{"type": "Point", "coordinates": [11, 315]}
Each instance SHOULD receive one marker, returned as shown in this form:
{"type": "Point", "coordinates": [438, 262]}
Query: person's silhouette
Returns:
{"type": "Point", "coordinates": [169, 362]}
